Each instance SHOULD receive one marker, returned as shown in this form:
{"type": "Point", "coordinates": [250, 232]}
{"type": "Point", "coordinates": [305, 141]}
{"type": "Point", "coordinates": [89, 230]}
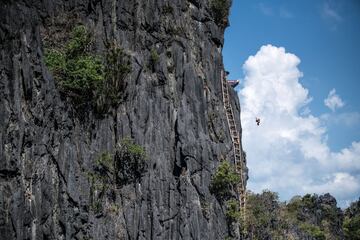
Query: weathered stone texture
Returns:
{"type": "Point", "coordinates": [174, 111]}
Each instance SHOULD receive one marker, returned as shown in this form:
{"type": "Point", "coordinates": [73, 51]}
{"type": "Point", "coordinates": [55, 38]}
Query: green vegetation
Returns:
{"type": "Point", "coordinates": [75, 70]}
{"type": "Point", "coordinates": [154, 59]}
{"type": "Point", "coordinates": [101, 179]}
{"type": "Point", "coordinates": [86, 77]}
{"type": "Point", "coordinates": [118, 67]}
{"type": "Point", "coordinates": [224, 180]}
{"type": "Point", "coordinates": [221, 10]}
{"type": "Point", "coordinates": [351, 227]}
{"type": "Point", "coordinates": [130, 161]}
{"type": "Point", "coordinates": [56, 62]}
{"type": "Point", "coordinates": [232, 210]}
{"type": "Point", "coordinates": [79, 43]}
{"type": "Point", "coordinates": [313, 230]}
{"type": "Point", "coordinates": [133, 151]}
{"type": "Point", "coordinates": [351, 224]}
{"type": "Point", "coordinates": [125, 166]}
{"type": "Point", "coordinates": [97, 206]}
{"type": "Point", "coordinates": [105, 163]}
{"type": "Point", "coordinates": [308, 216]}
{"type": "Point", "coordinates": [263, 213]}
{"type": "Point", "coordinates": [113, 208]}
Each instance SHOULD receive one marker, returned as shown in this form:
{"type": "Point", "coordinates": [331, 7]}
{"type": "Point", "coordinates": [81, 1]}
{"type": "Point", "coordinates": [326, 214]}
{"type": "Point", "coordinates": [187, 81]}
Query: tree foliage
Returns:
{"type": "Point", "coordinates": [75, 69]}
{"type": "Point", "coordinates": [232, 210]}
{"type": "Point", "coordinates": [224, 181]}
{"type": "Point", "coordinates": [220, 11]}
{"type": "Point", "coordinates": [130, 161]}
{"type": "Point", "coordinates": [86, 77]}
{"type": "Point", "coordinates": [351, 224]}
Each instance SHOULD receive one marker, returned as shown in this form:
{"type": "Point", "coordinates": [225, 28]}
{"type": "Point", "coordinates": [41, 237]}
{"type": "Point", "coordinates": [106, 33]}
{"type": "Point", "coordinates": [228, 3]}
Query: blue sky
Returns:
{"type": "Point", "coordinates": [317, 88]}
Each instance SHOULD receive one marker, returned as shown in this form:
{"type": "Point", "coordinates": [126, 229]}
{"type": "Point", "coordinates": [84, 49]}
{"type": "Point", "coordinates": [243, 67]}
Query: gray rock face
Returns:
{"type": "Point", "coordinates": [175, 111]}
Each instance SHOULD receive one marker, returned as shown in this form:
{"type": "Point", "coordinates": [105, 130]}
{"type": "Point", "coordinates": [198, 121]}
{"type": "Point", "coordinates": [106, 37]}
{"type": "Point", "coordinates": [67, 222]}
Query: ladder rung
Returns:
{"type": "Point", "coordinates": [236, 143]}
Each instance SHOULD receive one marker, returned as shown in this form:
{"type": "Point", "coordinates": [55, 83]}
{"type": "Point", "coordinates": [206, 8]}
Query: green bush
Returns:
{"type": "Point", "coordinates": [130, 161]}
{"type": "Point", "coordinates": [263, 216]}
{"type": "Point", "coordinates": [351, 227]}
{"type": "Point", "coordinates": [79, 43]}
{"type": "Point", "coordinates": [84, 76]}
{"type": "Point", "coordinates": [313, 230]}
{"type": "Point", "coordinates": [309, 201]}
{"type": "Point", "coordinates": [232, 210]}
{"type": "Point", "coordinates": [118, 67]}
{"type": "Point", "coordinates": [220, 11]}
{"type": "Point", "coordinates": [105, 162]}
{"type": "Point", "coordinates": [76, 71]}
{"type": "Point", "coordinates": [56, 62]}
{"type": "Point", "coordinates": [224, 180]}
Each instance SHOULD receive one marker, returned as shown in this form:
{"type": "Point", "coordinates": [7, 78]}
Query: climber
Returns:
{"type": "Point", "coordinates": [257, 121]}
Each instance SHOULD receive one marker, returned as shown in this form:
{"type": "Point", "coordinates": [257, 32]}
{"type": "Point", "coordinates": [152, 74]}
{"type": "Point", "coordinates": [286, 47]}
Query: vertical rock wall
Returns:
{"type": "Point", "coordinates": [174, 111]}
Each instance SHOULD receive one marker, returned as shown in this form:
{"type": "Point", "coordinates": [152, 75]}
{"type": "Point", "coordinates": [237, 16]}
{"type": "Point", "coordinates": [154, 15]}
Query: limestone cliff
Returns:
{"type": "Point", "coordinates": [173, 109]}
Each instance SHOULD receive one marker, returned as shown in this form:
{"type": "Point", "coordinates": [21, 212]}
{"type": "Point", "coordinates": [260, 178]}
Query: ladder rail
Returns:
{"type": "Point", "coordinates": [234, 133]}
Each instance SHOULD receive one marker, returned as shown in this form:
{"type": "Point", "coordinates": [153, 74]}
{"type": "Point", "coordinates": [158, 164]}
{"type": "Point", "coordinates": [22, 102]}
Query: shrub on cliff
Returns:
{"type": "Point", "coordinates": [130, 161]}
{"type": "Point", "coordinates": [232, 211]}
{"type": "Point", "coordinates": [87, 77]}
{"type": "Point", "coordinates": [76, 71]}
{"type": "Point", "coordinates": [224, 181]}
{"type": "Point", "coordinates": [220, 11]}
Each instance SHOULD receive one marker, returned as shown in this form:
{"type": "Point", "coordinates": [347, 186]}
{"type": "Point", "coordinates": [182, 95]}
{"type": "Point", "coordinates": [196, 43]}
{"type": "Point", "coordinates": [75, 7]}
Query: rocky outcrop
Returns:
{"type": "Point", "coordinates": [173, 109]}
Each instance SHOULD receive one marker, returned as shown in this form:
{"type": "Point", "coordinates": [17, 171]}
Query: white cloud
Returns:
{"type": "Point", "coordinates": [288, 152]}
{"type": "Point", "coordinates": [341, 184]}
{"type": "Point", "coordinates": [348, 119]}
{"type": "Point", "coordinates": [333, 101]}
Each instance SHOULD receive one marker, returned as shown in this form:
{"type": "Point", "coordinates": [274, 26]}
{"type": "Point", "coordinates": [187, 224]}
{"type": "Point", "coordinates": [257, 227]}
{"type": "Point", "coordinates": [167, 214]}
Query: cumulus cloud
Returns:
{"type": "Point", "coordinates": [288, 152]}
{"type": "Point", "coordinates": [348, 119]}
{"type": "Point", "coordinates": [333, 101]}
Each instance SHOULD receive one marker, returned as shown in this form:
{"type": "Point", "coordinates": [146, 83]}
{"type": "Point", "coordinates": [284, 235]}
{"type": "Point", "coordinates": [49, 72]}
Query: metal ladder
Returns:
{"type": "Point", "coordinates": [238, 161]}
